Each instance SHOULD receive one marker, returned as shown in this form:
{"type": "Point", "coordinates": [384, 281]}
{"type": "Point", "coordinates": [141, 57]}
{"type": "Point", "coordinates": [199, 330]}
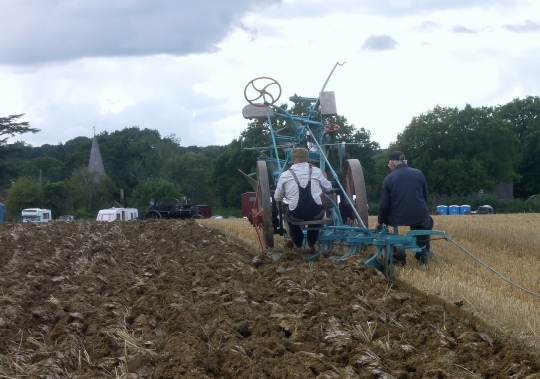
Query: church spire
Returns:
{"type": "Point", "coordinates": [96, 163]}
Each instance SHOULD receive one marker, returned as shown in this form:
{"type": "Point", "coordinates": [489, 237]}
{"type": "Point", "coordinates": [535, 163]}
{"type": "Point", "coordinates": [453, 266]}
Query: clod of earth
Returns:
{"type": "Point", "coordinates": [175, 299]}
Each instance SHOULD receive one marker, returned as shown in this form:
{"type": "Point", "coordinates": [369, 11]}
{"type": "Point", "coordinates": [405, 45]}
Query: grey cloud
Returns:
{"type": "Point", "coordinates": [400, 8]}
{"type": "Point", "coordinates": [378, 43]}
{"type": "Point", "coordinates": [60, 30]}
{"type": "Point", "coordinates": [386, 8]}
{"type": "Point", "coordinates": [527, 26]}
{"type": "Point", "coordinates": [463, 29]}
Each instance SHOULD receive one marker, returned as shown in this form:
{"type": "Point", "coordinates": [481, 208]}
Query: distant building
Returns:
{"type": "Point", "coordinates": [95, 164]}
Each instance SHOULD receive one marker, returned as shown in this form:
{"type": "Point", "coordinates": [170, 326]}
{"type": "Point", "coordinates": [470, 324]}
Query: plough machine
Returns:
{"type": "Point", "coordinates": [310, 124]}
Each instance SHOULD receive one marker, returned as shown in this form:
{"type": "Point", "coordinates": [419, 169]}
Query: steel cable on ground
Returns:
{"type": "Point", "coordinates": [492, 269]}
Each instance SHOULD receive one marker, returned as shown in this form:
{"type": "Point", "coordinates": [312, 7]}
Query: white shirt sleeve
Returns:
{"type": "Point", "coordinates": [287, 188]}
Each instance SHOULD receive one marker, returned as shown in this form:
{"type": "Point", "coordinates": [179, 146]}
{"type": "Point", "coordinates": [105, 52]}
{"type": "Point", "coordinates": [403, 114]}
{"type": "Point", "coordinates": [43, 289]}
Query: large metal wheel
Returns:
{"type": "Point", "coordinates": [261, 215]}
{"type": "Point", "coordinates": [355, 186]}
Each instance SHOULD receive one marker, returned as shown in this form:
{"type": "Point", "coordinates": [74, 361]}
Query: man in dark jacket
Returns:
{"type": "Point", "coordinates": [404, 201]}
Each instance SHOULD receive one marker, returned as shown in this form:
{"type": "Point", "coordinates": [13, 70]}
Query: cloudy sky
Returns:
{"type": "Point", "coordinates": [181, 66]}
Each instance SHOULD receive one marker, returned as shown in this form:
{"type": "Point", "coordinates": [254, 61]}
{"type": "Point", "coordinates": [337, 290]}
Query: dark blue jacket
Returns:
{"type": "Point", "coordinates": [404, 197]}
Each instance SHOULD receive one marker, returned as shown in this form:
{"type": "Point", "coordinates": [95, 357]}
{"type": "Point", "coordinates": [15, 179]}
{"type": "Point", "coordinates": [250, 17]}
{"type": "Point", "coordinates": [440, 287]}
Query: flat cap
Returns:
{"type": "Point", "coordinates": [396, 156]}
{"type": "Point", "coordinates": [300, 152]}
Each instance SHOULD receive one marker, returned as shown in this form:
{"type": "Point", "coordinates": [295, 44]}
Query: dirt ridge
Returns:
{"type": "Point", "coordinates": [174, 299]}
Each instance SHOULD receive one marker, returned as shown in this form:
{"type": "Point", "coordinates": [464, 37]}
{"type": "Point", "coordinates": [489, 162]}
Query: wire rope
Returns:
{"type": "Point", "coordinates": [492, 269]}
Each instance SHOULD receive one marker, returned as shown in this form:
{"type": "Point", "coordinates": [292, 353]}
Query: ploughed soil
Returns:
{"type": "Point", "coordinates": [174, 299]}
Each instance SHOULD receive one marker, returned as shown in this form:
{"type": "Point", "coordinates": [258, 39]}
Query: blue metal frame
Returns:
{"type": "Point", "coordinates": [355, 238]}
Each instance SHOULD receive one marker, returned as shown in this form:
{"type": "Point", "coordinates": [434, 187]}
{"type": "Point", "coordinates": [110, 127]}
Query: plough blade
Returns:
{"type": "Point", "coordinates": [375, 264]}
{"type": "Point", "coordinates": [311, 257]}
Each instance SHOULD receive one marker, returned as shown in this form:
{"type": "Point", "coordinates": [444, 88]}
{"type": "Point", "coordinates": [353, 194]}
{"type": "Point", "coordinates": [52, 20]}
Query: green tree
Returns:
{"type": "Point", "coordinates": [161, 190]}
{"type": "Point", "coordinates": [9, 126]}
{"type": "Point", "coordinates": [23, 193]}
{"type": "Point", "coordinates": [460, 151]}
{"type": "Point", "coordinates": [225, 182]}
{"type": "Point", "coordinates": [524, 114]}
{"type": "Point", "coordinates": [131, 155]}
{"type": "Point", "coordinates": [377, 175]}
{"type": "Point", "coordinates": [76, 153]}
{"type": "Point", "coordinates": [56, 197]}
{"type": "Point", "coordinates": [46, 169]}
{"type": "Point", "coordinates": [12, 158]}
{"type": "Point", "coordinates": [190, 172]}
{"type": "Point", "coordinates": [90, 191]}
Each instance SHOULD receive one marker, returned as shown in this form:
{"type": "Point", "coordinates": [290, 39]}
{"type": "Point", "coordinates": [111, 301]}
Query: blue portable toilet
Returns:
{"type": "Point", "coordinates": [465, 210]}
{"type": "Point", "coordinates": [2, 211]}
{"type": "Point", "coordinates": [453, 210]}
{"type": "Point", "coordinates": [442, 209]}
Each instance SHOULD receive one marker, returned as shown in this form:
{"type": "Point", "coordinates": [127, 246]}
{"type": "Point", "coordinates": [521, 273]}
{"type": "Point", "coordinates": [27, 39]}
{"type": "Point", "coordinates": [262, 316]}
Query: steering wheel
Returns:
{"type": "Point", "coordinates": [331, 128]}
{"type": "Point", "coordinates": [260, 90]}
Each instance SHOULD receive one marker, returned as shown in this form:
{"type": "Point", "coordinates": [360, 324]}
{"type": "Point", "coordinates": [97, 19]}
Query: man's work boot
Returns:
{"type": "Point", "coordinates": [423, 256]}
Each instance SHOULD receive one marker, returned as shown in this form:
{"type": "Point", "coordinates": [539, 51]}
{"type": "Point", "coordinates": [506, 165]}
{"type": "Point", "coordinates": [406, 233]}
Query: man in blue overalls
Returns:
{"type": "Point", "coordinates": [302, 187]}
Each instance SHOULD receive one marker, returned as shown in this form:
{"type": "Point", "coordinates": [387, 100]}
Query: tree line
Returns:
{"type": "Point", "coordinates": [460, 151]}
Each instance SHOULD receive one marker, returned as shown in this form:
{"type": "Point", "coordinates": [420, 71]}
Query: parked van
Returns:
{"type": "Point", "coordinates": [117, 214]}
{"type": "Point", "coordinates": [36, 215]}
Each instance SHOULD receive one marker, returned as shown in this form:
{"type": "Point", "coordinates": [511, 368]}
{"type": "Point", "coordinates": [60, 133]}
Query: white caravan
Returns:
{"type": "Point", "coordinates": [36, 215]}
{"type": "Point", "coordinates": [117, 214]}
